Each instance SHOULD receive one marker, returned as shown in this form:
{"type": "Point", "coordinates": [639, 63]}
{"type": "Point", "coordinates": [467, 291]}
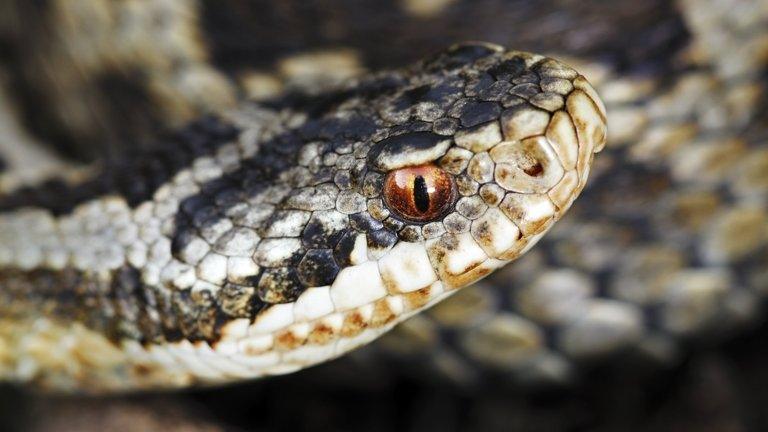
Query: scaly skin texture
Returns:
{"type": "Point", "coordinates": [666, 250]}
{"type": "Point", "coordinates": [673, 249]}
{"type": "Point", "coordinates": [263, 241]}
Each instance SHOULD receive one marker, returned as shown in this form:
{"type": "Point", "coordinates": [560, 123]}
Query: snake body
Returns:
{"type": "Point", "coordinates": [667, 245]}
{"type": "Point", "coordinates": [264, 241]}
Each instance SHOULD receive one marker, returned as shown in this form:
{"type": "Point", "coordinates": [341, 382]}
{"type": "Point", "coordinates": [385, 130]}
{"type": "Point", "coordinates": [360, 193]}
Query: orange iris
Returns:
{"type": "Point", "coordinates": [420, 193]}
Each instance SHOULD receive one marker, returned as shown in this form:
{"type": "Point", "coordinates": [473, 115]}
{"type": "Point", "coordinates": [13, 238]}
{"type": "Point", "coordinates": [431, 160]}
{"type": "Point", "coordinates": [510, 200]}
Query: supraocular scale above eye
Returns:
{"type": "Point", "coordinates": [409, 149]}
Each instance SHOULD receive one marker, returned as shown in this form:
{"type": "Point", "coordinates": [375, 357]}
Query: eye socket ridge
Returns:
{"type": "Point", "coordinates": [420, 193]}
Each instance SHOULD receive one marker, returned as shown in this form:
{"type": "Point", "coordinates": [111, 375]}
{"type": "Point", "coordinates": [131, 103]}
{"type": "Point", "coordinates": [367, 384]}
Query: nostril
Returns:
{"type": "Point", "coordinates": [527, 166]}
{"type": "Point", "coordinates": [534, 170]}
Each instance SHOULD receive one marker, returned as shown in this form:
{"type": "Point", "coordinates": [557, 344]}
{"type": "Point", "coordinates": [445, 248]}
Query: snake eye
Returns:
{"type": "Point", "coordinates": [421, 193]}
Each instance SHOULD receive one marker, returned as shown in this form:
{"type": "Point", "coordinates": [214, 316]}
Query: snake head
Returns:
{"type": "Point", "coordinates": [409, 185]}
{"type": "Point", "coordinates": [487, 150]}
{"type": "Point", "coordinates": [286, 234]}
{"type": "Point", "coordinates": [379, 199]}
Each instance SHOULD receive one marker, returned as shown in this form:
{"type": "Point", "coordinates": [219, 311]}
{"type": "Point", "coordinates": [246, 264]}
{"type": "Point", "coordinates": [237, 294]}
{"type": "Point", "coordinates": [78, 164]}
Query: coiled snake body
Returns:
{"type": "Point", "coordinates": [273, 236]}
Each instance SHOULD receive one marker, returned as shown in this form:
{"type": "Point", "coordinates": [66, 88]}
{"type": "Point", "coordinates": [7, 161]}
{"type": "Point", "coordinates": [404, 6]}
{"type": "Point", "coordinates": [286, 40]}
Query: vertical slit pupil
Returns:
{"type": "Point", "coordinates": [420, 194]}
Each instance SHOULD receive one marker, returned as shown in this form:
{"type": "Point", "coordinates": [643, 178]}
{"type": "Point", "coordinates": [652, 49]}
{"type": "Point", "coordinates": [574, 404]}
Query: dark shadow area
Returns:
{"type": "Point", "coordinates": [718, 389]}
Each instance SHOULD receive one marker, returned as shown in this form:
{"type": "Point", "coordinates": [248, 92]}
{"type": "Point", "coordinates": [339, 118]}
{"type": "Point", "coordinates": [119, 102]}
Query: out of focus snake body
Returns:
{"type": "Point", "coordinates": [666, 247]}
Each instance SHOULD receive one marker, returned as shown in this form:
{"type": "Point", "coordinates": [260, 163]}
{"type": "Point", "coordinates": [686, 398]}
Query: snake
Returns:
{"type": "Point", "coordinates": [273, 233]}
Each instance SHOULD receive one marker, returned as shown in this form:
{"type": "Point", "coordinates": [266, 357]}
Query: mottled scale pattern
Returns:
{"type": "Point", "coordinates": [660, 257]}
{"type": "Point", "coordinates": [264, 243]}
{"type": "Point", "coordinates": [665, 250]}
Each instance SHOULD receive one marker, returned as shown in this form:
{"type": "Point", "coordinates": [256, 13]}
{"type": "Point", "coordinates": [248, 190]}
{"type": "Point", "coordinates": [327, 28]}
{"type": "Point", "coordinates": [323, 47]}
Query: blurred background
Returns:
{"type": "Point", "coordinates": [642, 310]}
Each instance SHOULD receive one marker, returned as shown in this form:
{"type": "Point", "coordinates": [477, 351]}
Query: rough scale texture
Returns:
{"type": "Point", "coordinates": [260, 242]}
{"type": "Point", "coordinates": [674, 76]}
